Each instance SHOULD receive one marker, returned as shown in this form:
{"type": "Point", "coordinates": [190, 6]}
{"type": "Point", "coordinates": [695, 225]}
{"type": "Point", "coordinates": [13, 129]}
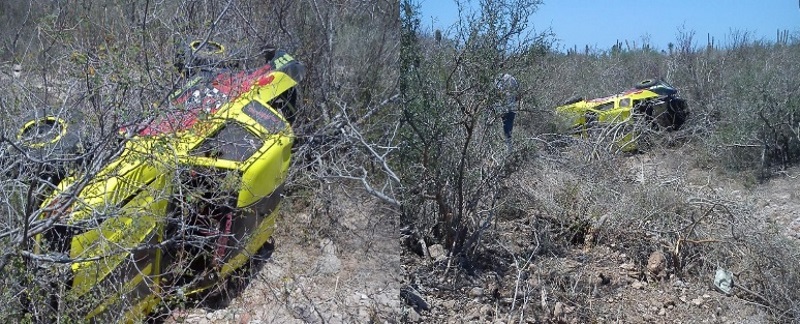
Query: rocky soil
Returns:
{"type": "Point", "coordinates": [348, 269]}
{"type": "Point", "coordinates": [612, 286]}
{"type": "Point", "coordinates": [341, 265]}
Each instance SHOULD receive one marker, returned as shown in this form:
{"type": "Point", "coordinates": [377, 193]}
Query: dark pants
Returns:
{"type": "Point", "coordinates": [508, 122]}
{"type": "Point", "coordinates": [508, 125]}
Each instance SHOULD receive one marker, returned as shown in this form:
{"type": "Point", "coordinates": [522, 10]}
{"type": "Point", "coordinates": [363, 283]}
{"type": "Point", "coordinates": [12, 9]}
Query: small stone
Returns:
{"type": "Point", "coordinates": [662, 312]}
{"type": "Point", "coordinates": [558, 310]}
{"type": "Point", "coordinates": [476, 292]}
{"type": "Point", "coordinates": [329, 264]}
{"type": "Point", "coordinates": [474, 314]}
{"type": "Point", "coordinates": [706, 296]}
{"type": "Point", "coordinates": [437, 252]}
{"type": "Point", "coordinates": [656, 264]}
{"type": "Point", "coordinates": [449, 304]}
{"type": "Point", "coordinates": [487, 310]}
{"type": "Point", "coordinates": [302, 218]}
{"type": "Point", "coordinates": [603, 279]}
{"type": "Point", "coordinates": [698, 301]}
{"type": "Point", "coordinates": [413, 316]}
{"type": "Point", "coordinates": [637, 285]}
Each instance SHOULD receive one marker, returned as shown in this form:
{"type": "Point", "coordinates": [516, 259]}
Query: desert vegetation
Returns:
{"type": "Point", "coordinates": [560, 228]}
{"type": "Point", "coordinates": [398, 150]}
{"type": "Point", "coordinates": [110, 65]}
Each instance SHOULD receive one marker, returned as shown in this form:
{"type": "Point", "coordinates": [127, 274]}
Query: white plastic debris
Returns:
{"type": "Point", "coordinates": [724, 280]}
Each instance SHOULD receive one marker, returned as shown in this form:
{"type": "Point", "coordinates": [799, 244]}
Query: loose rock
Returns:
{"type": "Point", "coordinates": [328, 262]}
{"type": "Point", "coordinates": [558, 310]}
{"type": "Point", "coordinates": [656, 265]}
{"type": "Point", "coordinates": [413, 316]}
{"type": "Point", "coordinates": [476, 292]}
{"type": "Point", "coordinates": [487, 310]}
{"type": "Point", "coordinates": [437, 252]}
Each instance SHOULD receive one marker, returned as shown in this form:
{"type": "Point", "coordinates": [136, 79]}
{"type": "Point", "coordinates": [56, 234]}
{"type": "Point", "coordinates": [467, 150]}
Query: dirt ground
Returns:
{"type": "Point", "coordinates": [618, 288]}
{"type": "Point", "coordinates": [339, 265]}
{"type": "Point", "coordinates": [349, 268]}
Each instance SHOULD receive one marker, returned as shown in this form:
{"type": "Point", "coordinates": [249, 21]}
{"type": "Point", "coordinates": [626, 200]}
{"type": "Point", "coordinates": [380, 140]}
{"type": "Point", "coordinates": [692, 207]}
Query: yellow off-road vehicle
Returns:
{"type": "Point", "coordinates": [650, 105]}
{"type": "Point", "coordinates": [188, 198]}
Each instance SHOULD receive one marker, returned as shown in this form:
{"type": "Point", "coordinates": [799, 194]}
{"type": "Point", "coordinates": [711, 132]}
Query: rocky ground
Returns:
{"type": "Point", "coordinates": [349, 270]}
{"type": "Point", "coordinates": [324, 269]}
{"type": "Point", "coordinates": [600, 283]}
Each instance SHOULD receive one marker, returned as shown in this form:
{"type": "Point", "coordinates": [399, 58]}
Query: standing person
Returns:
{"type": "Point", "coordinates": [509, 99]}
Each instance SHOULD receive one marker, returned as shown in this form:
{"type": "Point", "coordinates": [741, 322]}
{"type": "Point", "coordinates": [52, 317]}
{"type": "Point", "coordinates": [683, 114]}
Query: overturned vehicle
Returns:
{"type": "Point", "coordinates": [187, 198]}
{"type": "Point", "coordinates": [652, 105]}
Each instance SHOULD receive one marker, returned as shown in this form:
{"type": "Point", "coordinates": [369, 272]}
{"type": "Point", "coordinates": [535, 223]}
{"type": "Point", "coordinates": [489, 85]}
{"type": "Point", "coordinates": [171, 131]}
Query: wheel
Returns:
{"type": "Point", "coordinates": [644, 84]}
{"type": "Point", "coordinates": [573, 100]}
{"type": "Point", "coordinates": [268, 51]}
{"type": "Point", "coordinates": [51, 138]}
{"type": "Point", "coordinates": [200, 55]}
{"type": "Point", "coordinates": [206, 52]}
{"type": "Point", "coordinates": [669, 115]}
{"type": "Point", "coordinates": [677, 112]}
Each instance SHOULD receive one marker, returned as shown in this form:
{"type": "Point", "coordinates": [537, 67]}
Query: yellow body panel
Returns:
{"type": "Point", "coordinates": [607, 111]}
{"type": "Point", "coordinates": [135, 189]}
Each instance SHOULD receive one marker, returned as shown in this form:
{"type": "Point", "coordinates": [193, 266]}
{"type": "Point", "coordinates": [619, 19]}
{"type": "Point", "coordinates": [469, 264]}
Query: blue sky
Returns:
{"type": "Point", "coordinates": [599, 23]}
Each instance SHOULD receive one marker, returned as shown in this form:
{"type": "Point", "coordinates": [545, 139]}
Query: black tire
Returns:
{"type": "Point", "coordinates": [644, 84]}
{"type": "Point", "coordinates": [670, 117]}
{"type": "Point", "coordinates": [572, 100]}
{"type": "Point", "coordinates": [195, 56]}
{"type": "Point", "coordinates": [53, 138]}
{"type": "Point", "coordinates": [268, 51]}
{"type": "Point", "coordinates": [677, 110]}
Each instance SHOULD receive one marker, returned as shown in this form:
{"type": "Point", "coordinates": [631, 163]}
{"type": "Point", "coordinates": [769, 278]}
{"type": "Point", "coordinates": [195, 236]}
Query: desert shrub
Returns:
{"type": "Point", "coordinates": [742, 98]}
{"type": "Point", "coordinates": [571, 204]}
{"type": "Point", "coordinates": [566, 195]}
{"type": "Point", "coordinates": [111, 64]}
{"type": "Point", "coordinates": [455, 163]}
